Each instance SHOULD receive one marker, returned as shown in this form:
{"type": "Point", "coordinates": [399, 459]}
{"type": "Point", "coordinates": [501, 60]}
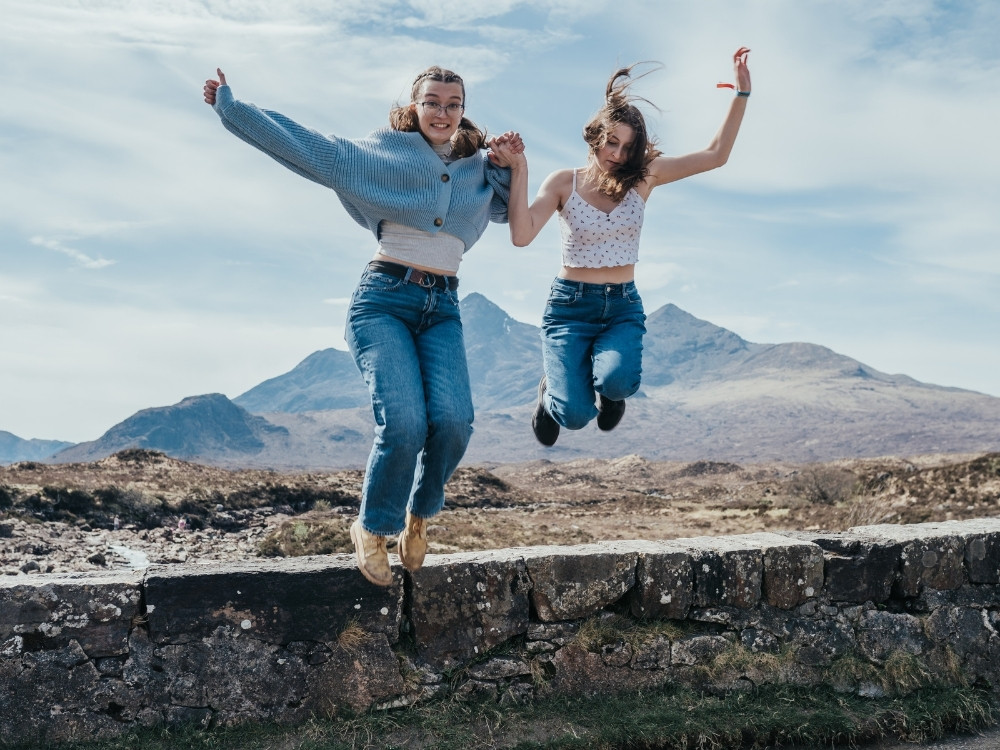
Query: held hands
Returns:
{"type": "Point", "coordinates": [742, 71]}
{"type": "Point", "coordinates": [507, 150]}
{"type": "Point", "coordinates": [211, 86]}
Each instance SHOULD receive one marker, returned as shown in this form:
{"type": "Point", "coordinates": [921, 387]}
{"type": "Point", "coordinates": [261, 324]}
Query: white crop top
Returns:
{"type": "Point", "coordinates": [594, 239]}
{"type": "Point", "coordinates": [409, 246]}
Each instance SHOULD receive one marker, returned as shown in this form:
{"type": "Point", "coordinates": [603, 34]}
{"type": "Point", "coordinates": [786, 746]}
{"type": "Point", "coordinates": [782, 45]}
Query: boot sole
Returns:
{"type": "Point", "coordinates": [359, 553]}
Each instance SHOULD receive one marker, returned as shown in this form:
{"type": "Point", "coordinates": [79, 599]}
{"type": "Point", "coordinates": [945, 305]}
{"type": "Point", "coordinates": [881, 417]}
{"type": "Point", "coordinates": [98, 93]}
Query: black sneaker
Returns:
{"type": "Point", "coordinates": [609, 413]}
{"type": "Point", "coordinates": [546, 429]}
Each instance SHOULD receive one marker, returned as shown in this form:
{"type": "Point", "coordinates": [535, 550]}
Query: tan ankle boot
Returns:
{"type": "Point", "coordinates": [373, 559]}
{"type": "Point", "coordinates": [413, 543]}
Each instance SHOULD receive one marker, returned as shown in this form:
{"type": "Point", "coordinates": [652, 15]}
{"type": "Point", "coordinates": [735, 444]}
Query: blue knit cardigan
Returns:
{"type": "Point", "coordinates": [390, 174]}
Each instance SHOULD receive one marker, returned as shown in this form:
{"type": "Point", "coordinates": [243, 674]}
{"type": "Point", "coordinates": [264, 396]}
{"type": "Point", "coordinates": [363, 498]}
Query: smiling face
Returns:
{"type": "Point", "coordinates": [438, 125]}
{"type": "Point", "coordinates": [616, 149]}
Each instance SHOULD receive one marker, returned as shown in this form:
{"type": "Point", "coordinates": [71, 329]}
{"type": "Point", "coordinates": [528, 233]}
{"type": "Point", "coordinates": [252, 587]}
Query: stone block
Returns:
{"type": "Point", "coordinates": [52, 696]}
{"type": "Point", "coordinates": [462, 605]}
{"type": "Point", "coordinates": [963, 629]}
{"type": "Point", "coordinates": [94, 609]}
{"type": "Point", "coordinates": [580, 672]}
{"type": "Point", "coordinates": [570, 583]}
{"type": "Point", "coordinates": [818, 643]}
{"type": "Point", "coordinates": [239, 678]}
{"type": "Point", "coordinates": [664, 581]}
{"type": "Point", "coordinates": [359, 678]}
{"type": "Point", "coordinates": [982, 547]}
{"type": "Point", "coordinates": [793, 569]}
{"type": "Point", "coordinates": [856, 568]}
{"type": "Point", "coordinates": [278, 601]}
{"type": "Point", "coordinates": [727, 571]}
{"type": "Point", "coordinates": [698, 650]}
{"type": "Point", "coordinates": [931, 555]}
{"type": "Point", "coordinates": [882, 633]}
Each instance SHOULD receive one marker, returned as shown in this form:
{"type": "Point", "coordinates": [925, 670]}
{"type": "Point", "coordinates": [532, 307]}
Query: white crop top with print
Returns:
{"type": "Point", "coordinates": [594, 239]}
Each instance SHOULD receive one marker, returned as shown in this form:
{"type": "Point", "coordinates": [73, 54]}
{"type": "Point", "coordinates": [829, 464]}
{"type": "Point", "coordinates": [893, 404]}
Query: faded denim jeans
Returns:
{"type": "Point", "coordinates": [591, 344]}
{"type": "Point", "coordinates": [407, 341]}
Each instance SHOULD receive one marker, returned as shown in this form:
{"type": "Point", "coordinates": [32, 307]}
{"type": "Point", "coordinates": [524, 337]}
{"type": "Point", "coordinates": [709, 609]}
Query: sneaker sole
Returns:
{"type": "Point", "coordinates": [539, 414]}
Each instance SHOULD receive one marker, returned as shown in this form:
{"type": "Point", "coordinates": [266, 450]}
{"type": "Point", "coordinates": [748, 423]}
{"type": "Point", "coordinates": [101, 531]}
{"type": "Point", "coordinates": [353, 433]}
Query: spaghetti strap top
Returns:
{"type": "Point", "coordinates": [594, 239]}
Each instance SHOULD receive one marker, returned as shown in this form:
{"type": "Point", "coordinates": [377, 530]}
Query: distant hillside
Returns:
{"type": "Point", "coordinates": [706, 394]}
{"type": "Point", "coordinates": [208, 427]}
{"type": "Point", "coordinates": [504, 355]}
{"type": "Point", "coordinates": [326, 379]}
{"type": "Point", "coordinates": [13, 448]}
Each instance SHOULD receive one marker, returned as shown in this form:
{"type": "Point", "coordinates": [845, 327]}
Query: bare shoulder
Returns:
{"type": "Point", "coordinates": [559, 183]}
{"type": "Point", "coordinates": [561, 178]}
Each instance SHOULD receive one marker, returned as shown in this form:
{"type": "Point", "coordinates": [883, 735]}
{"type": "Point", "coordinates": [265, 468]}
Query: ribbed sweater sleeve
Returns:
{"type": "Point", "coordinates": [389, 175]}
{"type": "Point", "coordinates": [498, 178]}
{"type": "Point", "coordinates": [304, 151]}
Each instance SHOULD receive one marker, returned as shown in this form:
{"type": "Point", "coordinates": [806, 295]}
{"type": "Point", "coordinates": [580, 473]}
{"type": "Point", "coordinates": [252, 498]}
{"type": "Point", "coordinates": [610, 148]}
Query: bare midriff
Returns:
{"type": "Point", "coordinates": [606, 275]}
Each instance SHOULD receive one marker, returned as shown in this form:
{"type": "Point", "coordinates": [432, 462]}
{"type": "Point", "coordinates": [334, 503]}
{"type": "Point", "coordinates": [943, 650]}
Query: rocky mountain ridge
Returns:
{"type": "Point", "coordinates": [706, 394]}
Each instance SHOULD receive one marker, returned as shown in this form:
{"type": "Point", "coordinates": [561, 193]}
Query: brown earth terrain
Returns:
{"type": "Point", "coordinates": [62, 518]}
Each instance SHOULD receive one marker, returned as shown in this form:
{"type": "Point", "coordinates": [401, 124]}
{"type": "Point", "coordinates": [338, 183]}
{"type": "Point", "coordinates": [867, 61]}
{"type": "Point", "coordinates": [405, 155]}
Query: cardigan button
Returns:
{"type": "Point", "coordinates": [438, 221]}
{"type": "Point", "coordinates": [445, 177]}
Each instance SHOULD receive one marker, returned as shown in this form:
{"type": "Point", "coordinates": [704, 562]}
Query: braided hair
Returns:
{"type": "Point", "coordinates": [468, 139]}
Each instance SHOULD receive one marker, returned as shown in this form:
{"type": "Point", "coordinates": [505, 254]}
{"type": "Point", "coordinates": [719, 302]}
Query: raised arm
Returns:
{"type": "Point", "coordinates": [666, 169]}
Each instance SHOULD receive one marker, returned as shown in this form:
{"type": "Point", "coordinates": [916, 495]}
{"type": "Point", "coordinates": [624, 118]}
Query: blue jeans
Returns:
{"type": "Point", "coordinates": [407, 341]}
{"type": "Point", "coordinates": [591, 344]}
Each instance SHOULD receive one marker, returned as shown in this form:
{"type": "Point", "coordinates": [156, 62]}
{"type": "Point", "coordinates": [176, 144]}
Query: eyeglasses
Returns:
{"type": "Point", "coordinates": [433, 108]}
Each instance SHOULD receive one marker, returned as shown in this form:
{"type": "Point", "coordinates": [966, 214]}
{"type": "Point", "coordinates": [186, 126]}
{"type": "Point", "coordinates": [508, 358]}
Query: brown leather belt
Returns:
{"type": "Point", "coordinates": [414, 276]}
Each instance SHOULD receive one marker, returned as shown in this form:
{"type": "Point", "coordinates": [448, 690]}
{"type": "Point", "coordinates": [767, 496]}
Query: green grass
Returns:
{"type": "Point", "coordinates": [667, 718]}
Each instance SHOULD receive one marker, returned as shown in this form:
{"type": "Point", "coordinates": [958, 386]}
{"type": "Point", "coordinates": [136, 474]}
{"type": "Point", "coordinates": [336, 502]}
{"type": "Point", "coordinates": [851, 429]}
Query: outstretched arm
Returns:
{"type": "Point", "coordinates": [666, 169]}
{"type": "Point", "coordinates": [304, 151]}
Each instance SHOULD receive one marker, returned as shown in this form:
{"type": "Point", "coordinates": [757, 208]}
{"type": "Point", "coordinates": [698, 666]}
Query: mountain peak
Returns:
{"type": "Point", "coordinates": [209, 425]}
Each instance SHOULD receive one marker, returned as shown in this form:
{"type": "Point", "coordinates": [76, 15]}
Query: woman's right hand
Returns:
{"type": "Point", "coordinates": [741, 69]}
{"type": "Point", "coordinates": [507, 150]}
{"type": "Point", "coordinates": [211, 85]}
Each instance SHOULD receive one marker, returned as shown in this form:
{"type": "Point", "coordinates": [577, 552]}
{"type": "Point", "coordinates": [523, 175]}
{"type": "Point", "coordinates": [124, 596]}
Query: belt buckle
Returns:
{"type": "Point", "coordinates": [421, 278]}
{"type": "Point", "coordinates": [418, 277]}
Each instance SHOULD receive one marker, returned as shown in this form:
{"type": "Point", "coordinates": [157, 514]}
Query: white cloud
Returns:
{"type": "Point", "coordinates": [81, 258]}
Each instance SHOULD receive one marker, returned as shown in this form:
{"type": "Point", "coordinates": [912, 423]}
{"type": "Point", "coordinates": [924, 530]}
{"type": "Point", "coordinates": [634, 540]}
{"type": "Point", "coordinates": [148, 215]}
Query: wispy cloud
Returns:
{"type": "Point", "coordinates": [82, 259]}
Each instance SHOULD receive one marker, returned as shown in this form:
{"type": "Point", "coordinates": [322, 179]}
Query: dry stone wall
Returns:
{"type": "Point", "coordinates": [875, 610]}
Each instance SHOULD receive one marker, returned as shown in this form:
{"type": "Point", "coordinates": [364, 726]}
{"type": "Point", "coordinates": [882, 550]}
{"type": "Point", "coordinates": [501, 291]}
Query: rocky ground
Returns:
{"type": "Point", "coordinates": [140, 507]}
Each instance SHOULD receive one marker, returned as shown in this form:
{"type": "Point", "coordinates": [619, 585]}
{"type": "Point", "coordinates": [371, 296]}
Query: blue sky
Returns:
{"type": "Point", "coordinates": [147, 255]}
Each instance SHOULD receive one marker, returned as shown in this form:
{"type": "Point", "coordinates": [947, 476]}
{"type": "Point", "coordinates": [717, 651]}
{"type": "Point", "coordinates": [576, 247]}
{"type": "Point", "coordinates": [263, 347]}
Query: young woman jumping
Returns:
{"type": "Point", "coordinates": [426, 191]}
{"type": "Point", "coordinates": [594, 321]}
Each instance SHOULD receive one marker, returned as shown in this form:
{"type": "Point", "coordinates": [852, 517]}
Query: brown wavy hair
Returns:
{"type": "Point", "coordinates": [619, 109]}
{"type": "Point", "coordinates": [468, 139]}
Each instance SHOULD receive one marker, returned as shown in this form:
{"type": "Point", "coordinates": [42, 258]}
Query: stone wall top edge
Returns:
{"type": "Point", "coordinates": [338, 562]}
{"type": "Point", "coordinates": [929, 530]}
{"type": "Point", "coordinates": [283, 565]}
{"type": "Point", "coordinates": [95, 578]}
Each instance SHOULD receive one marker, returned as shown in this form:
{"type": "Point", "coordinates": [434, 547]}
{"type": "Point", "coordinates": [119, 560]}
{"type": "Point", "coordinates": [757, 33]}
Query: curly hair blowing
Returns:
{"type": "Point", "coordinates": [468, 139]}
{"type": "Point", "coordinates": [619, 109]}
